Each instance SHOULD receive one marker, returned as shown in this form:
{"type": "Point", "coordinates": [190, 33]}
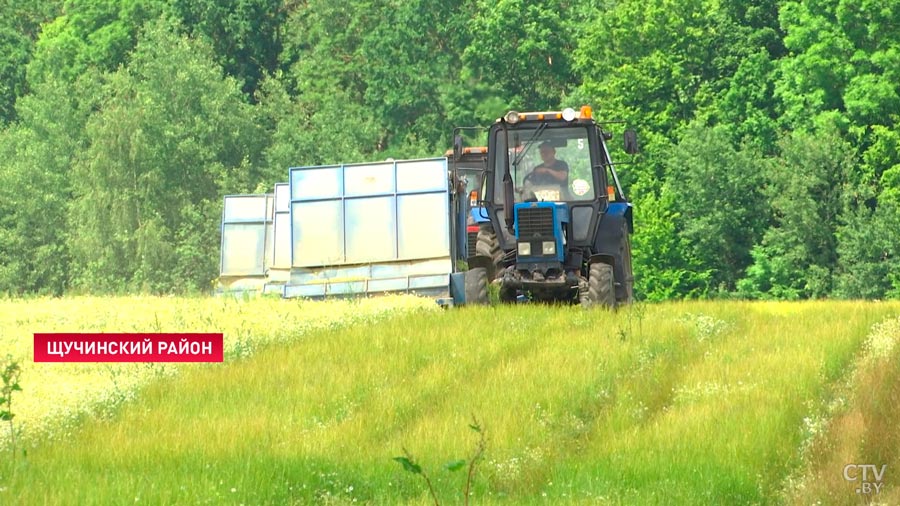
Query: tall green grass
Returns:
{"type": "Point", "coordinates": [679, 403]}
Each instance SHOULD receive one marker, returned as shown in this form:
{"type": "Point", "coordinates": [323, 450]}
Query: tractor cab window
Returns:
{"type": "Point", "coordinates": [473, 178]}
{"type": "Point", "coordinates": [546, 164]}
{"type": "Point", "coordinates": [474, 181]}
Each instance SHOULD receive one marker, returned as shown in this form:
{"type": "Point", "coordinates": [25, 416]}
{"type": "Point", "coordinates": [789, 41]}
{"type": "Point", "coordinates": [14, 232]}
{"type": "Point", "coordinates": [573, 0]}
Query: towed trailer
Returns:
{"type": "Point", "coordinates": [352, 230]}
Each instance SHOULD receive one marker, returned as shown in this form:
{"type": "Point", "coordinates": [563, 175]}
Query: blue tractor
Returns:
{"type": "Point", "coordinates": [559, 224]}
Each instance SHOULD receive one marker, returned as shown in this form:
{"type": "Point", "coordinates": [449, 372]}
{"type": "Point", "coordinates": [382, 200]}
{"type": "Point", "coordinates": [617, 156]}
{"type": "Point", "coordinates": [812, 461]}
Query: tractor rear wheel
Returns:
{"type": "Point", "coordinates": [489, 246]}
{"type": "Point", "coordinates": [601, 286]}
{"type": "Point", "coordinates": [628, 282]}
{"type": "Point", "coordinates": [477, 286]}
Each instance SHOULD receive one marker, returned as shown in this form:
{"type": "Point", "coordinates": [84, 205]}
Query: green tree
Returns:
{"type": "Point", "coordinates": [843, 71]}
{"type": "Point", "coordinates": [807, 188]}
{"type": "Point", "coordinates": [171, 136]}
{"type": "Point", "coordinates": [15, 50]}
{"type": "Point", "coordinates": [659, 62]}
{"type": "Point", "coordinates": [324, 130]}
{"type": "Point", "coordinates": [813, 79]}
{"type": "Point", "coordinates": [391, 64]}
{"type": "Point", "coordinates": [843, 67]}
{"type": "Point", "coordinates": [747, 108]}
{"type": "Point", "coordinates": [523, 49]}
{"type": "Point", "coordinates": [869, 253]}
{"type": "Point", "coordinates": [89, 33]}
{"type": "Point", "coordinates": [36, 155]}
{"type": "Point", "coordinates": [659, 65]}
{"type": "Point", "coordinates": [663, 262]}
{"type": "Point", "coordinates": [246, 35]}
{"type": "Point", "coordinates": [720, 204]}
{"type": "Point", "coordinates": [19, 26]}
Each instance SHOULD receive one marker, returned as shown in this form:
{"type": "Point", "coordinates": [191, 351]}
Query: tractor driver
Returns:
{"type": "Point", "coordinates": [551, 171]}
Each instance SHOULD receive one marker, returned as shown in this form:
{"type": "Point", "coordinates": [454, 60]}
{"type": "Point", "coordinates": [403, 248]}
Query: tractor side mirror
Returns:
{"type": "Point", "coordinates": [457, 147]}
{"type": "Point", "coordinates": [631, 142]}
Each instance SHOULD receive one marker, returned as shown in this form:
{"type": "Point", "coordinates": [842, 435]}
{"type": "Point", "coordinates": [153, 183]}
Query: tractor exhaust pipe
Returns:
{"type": "Point", "coordinates": [508, 199]}
{"type": "Point", "coordinates": [508, 189]}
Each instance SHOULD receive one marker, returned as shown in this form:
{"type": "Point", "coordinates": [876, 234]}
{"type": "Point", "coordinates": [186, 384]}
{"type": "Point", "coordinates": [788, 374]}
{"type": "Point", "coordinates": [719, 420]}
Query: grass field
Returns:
{"type": "Point", "coordinates": [678, 403]}
{"type": "Point", "coordinates": [58, 396]}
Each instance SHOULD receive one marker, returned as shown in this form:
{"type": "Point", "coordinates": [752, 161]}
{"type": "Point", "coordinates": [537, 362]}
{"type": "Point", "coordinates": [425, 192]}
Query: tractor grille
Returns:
{"type": "Point", "coordinates": [473, 240]}
{"type": "Point", "coordinates": [535, 222]}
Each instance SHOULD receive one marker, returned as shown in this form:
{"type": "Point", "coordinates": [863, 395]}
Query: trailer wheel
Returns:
{"type": "Point", "coordinates": [601, 286]}
{"type": "Point", "coordinates": [488, 245]}
{"type": "Point", "coordinates": [476, 286]}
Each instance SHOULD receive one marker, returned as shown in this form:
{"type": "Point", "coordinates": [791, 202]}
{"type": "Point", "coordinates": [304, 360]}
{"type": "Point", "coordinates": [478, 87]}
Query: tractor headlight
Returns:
{"type": "Point", "coordinates": [512, 117]}
{"type": "Point", "coordinates": [548, 248]}
{"type": "Point", "coordinates": [524, 249]}
{"type": "Point", "coordinates": [568, 114]}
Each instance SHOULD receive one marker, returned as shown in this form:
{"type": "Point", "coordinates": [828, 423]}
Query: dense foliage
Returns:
{"type": "Point", "coordinates": [770, 164]}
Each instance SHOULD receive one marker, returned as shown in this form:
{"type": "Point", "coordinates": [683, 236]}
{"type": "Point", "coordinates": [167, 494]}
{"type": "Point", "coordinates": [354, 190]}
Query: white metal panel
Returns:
{"type": "Point", "coordinates": [317, 230]}
{"type": "Point", "coordinates": [282, 198]}
{"type": "Point", "coordinates": [371, 230]}
{"type": "Point", "coordinates": [243, 249]}
{"type": "Point", "coordinates": [422, 176]}
{"type": "Point", "coordinates": [316, 183]}
{"type": "Point", "coordinates": [282, 258]}
{"type": "Point", "coordinates": [269, 252]}
{"type": "Point", "coordinates": [246, 208]}
{"type": "Point", "coordinates": [247, 241]}
{"type": "Point", "coordinates": [373, 179]}
{"type": "Point", "coordinates": [423, 226]}
{"type": "Point", "coordinates": [281, 233]}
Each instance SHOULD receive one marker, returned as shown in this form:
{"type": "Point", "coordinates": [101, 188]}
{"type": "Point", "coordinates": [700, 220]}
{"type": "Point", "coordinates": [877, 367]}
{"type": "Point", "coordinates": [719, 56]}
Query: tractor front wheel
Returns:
{"type": "Point", "coordinates": [508, 295]}
{"type": "Point", "coordinates": [601, 289]}
{"type": "Point", "coordinates": [488, 245]}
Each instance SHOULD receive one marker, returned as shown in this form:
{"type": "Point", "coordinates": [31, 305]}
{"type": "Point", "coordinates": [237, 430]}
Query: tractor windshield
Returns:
{"type": "Point", "coordinates": [546, 164]}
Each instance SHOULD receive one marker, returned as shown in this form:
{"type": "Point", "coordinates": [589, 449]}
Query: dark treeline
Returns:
{"type": "Point", "coordinates": [770, 164]}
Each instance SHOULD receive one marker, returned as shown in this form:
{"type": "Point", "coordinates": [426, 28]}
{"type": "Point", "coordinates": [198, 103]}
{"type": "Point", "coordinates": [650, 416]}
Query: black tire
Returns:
{"type": "Point", "coordinates": [488, 245]}
{"type": "Point", "coordinates": [508, 295]}
{"type": "Point", "coordinates": [583, 291]}
{"type": "Point", "coordinates": [477, 286]}
{"type": "Point", "coordinates": [628, 282]}
{"type": "Point", "coordinates": [601, 287]}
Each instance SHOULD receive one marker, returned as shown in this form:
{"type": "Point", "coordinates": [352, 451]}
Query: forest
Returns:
{"type": "Point", "coordinates": [769, 168]}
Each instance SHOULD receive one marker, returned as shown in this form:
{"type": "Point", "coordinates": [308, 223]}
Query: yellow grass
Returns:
{"type": "Point", "coordinates": [55, 395]}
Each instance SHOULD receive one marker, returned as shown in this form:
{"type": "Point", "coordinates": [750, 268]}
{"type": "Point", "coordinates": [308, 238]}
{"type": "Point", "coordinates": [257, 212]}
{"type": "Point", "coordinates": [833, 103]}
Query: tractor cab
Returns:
{"type": "Point", "coordinates": [559, 216]}
{"type": "Point", "coordinates": [467, 168]}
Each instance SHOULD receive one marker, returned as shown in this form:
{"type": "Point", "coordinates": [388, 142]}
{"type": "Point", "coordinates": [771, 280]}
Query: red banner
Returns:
{"type": "Point", "coordinates": [139, 347]}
